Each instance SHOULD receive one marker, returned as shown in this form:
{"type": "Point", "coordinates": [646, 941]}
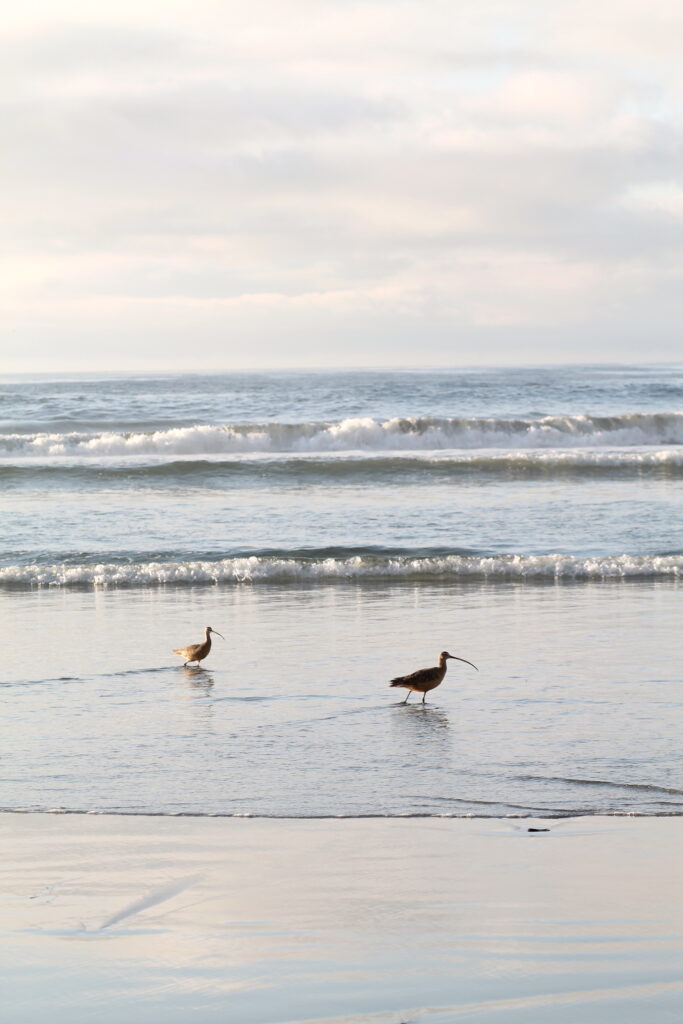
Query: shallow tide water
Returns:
{"type": "Point", "coordinates": [576, 708]}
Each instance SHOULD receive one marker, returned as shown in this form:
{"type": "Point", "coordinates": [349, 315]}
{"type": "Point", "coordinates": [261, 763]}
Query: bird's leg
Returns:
{"type": "Point", "coordinates": [407, 695]}
{"type": "Point", "coordinates": [423, 696]}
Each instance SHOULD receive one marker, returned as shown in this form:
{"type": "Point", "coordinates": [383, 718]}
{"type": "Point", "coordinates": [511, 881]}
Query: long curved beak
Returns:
{"type": "Point", "coordinates": [218, 634]}
{"type": "Point", "coordinates": [456, 658]}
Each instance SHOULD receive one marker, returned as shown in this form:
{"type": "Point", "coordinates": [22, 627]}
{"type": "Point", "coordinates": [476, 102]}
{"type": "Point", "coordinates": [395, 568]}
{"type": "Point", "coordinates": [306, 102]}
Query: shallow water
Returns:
{"type": "Point", "coordinates": [576, 708]}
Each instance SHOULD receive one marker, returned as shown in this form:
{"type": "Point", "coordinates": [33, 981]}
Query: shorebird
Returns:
{"type": "Point", "coordinates": [426, 679]}
{"type": "Point", "coordinates": [197, 652]}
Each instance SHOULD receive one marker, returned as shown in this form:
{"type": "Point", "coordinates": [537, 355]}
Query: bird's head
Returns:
{"type": "Point", "coordinates": [445, 654]}
{"type": "Point", "coordinates": [210, 630]}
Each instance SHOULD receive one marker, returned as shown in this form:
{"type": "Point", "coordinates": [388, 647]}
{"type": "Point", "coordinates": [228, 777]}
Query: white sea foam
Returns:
{"type": "Point", "coordinates": [266, 569]}
{"type": "Point", "coordinates": [358, 434]}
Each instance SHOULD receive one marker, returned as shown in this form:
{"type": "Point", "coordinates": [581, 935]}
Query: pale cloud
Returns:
{"type": "Point", "coordinates": [398, 178]}
{"type": "Point", "coordinates": [663, 199]}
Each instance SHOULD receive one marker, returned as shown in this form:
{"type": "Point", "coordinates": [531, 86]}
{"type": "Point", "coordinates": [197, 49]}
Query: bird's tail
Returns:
{"type": "Point", "coordinates": [398, 681]}
{"type": "Point", "coordinates": [177, 652]}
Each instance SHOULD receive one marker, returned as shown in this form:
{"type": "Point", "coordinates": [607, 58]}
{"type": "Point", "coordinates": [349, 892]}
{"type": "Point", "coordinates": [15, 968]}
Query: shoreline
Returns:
{"type": "Point", "coordinates": [554, 816]}
{"type": "Point", "coordinates": [276, 921]}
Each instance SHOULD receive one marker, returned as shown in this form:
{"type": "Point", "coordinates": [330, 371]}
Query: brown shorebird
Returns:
{"type": "Point", "coordinates": [426, 679]}
{"type": "Point", "coordinates": [197, 652]}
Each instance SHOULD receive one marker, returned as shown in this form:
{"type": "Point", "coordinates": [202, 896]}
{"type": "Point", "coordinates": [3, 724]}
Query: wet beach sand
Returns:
{"type": "Point", "coordinates": [257, 921]}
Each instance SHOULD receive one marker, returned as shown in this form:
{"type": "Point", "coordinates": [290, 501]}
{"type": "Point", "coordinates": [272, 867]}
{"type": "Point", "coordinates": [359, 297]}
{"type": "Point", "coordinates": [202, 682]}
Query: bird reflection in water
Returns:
{"type": "Point", "coordinates": [199, 681]}
{"type": "Point", "coordinates": [421, 739]}
{"type": "Point", "coordinates": [423, 719]}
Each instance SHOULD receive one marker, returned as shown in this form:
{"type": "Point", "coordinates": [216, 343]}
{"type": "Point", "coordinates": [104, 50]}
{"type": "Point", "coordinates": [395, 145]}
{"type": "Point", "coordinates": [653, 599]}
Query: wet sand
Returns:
{"type": "Point", "coordinates": [253, 921]}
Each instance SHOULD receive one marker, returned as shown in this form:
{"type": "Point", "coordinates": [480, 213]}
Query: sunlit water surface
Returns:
{"type": "Point", "coordinates": [577, 706]}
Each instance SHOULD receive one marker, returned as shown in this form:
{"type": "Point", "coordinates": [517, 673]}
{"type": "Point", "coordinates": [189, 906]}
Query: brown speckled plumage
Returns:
{"type": "Point", "coordinates": [197, 652]}
{"type": "Point", "coordinates": [426, 679]}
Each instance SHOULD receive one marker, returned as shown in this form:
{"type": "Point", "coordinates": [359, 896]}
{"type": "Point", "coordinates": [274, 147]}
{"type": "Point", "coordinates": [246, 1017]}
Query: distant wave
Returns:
{"type": "Point", "coordinates": [359, 434]}
{"type": "Point", "coordinates": [522, 465]}
{"type": "Point", "coordinates": [297, 568]}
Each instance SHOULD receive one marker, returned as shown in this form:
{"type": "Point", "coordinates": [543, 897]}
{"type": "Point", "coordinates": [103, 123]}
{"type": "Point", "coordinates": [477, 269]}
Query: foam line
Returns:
{"type": "Point", "coordinates": [256, 569]}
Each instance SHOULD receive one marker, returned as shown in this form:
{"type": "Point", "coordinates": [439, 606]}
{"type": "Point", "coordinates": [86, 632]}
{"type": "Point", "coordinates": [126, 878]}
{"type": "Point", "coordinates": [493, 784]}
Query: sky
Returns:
{"type": "Point", "coordinates": [273, 183]}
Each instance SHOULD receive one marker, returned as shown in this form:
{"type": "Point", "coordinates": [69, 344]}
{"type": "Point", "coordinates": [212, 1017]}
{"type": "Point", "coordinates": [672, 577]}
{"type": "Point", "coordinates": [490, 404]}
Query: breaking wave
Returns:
{"type": "Point", "coordinates": [359, 434]}
{"type": "Point", "coordinates": [300, 568]}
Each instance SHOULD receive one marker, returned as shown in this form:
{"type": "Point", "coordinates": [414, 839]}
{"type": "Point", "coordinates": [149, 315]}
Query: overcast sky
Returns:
{"type": "Point", "coordinates": [330, 182]}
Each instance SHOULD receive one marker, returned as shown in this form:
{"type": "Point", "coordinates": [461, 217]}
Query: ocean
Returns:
{"type": "Point", "coordinates": [341, 528]}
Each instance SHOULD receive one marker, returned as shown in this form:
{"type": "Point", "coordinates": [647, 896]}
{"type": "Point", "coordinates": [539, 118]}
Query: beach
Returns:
{"type": "Point", "coordinates": [271, 836]}
{"type": "Point", "coordinates": [114, 918]}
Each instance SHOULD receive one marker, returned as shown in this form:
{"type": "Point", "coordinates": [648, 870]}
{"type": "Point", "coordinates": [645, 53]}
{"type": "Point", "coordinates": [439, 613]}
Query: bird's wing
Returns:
{"type": "Point", "coordinates": [420, 676]}
{"type": "Point", "coordinates": [186, 652]}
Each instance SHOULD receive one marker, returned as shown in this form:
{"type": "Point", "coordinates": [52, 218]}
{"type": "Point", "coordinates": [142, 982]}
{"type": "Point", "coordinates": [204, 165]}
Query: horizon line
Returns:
{"type": "Point", "coordinates": [338, 368]}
